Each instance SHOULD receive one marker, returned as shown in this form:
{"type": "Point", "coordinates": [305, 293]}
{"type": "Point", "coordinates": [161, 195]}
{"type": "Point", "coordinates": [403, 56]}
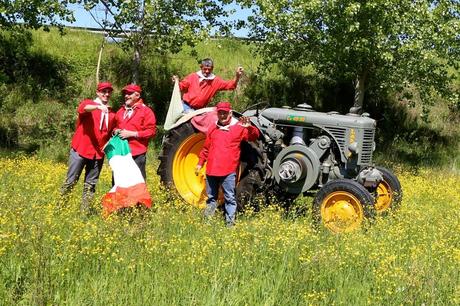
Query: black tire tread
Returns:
{"type": "Point", "coordinates": [171, 142]}
{"type": "Point", "coordinates": [395, 185]}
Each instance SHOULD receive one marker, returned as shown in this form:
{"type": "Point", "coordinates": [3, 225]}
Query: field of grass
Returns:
{"type": "Point", "coordinates": [52, 255]}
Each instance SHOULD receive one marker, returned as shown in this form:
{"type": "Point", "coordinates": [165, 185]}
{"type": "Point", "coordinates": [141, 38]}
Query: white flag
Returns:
{"type": "Point", "coordinates": [176, 108]}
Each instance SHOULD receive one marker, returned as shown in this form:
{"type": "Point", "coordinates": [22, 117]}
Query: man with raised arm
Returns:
{"type": "Point", "coordinates": [200, 87]}
{"type": "Point", "coordinates": [94, 127]}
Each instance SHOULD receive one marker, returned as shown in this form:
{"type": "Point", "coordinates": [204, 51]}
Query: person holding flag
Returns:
{"type": "Point", "coordinates": [200, 87]}
{"type": "Point", "coordinates": [93, 129]}
{"type": "Point", "coordinates": [136, 123]}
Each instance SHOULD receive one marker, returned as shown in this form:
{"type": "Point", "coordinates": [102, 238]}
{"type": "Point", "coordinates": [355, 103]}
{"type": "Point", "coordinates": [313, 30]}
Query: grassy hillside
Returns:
{"type": "Point", "coordinates": [52, 73]}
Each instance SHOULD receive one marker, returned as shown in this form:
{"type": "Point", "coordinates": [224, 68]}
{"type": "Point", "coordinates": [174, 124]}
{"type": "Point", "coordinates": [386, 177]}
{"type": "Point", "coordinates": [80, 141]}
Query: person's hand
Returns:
{"type": "Point", "coordinates": [124, 134]}
{"type": "Point", "coordinates": [116, 132]}
{"type": "Point", "coordinates": [239, 72]}
{"type": "Point", "coordinates": [197, 170]}
{"type": "Point", "coordinates": [244, 121]}
{"type": "Point", "coordinates": [175, 78]}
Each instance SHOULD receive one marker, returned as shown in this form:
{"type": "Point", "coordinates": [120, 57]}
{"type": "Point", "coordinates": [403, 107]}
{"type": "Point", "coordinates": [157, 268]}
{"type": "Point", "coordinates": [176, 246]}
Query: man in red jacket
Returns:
{"type": "Point", "coordinates": [93, 129]}
{"type": "Point", "coordinates": [201, 86]}
{"type": "Point", "coordinates": [136, 122]}
{"type": "Point", "coordinates": [222, 152]}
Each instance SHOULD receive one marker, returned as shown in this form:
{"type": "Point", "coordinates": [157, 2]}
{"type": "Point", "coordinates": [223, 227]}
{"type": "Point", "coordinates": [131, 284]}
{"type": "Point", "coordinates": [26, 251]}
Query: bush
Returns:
{"type": "Point", "coordinates": [44, 123]}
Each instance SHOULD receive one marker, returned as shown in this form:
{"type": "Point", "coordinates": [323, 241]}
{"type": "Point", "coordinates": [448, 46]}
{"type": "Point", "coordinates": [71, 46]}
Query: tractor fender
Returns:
{"type": "Point", "coordinates": [203, 118]}
{"type": "Point", "coordinates": [198, 119]}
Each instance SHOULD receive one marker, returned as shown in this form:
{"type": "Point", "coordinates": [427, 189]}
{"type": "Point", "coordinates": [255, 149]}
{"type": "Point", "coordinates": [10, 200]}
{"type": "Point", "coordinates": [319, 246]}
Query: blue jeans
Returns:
{"type": "Point", "coordinates": [187, 108]}
{"type": "Point", "coordinates": [212, 189]}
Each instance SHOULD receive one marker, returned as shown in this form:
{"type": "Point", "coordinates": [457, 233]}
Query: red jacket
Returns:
{"type": "Point", "coordinates": [90, 135]}
{"type": "Point", "coordinates": [142, 120]}
{"type": "Point", "coordinates": [198, 94]}
{"type": "Point", "coordinates": [222, 149]}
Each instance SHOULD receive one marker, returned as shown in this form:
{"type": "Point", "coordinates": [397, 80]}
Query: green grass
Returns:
{"type": "Point", "coordinates": [169, 256]}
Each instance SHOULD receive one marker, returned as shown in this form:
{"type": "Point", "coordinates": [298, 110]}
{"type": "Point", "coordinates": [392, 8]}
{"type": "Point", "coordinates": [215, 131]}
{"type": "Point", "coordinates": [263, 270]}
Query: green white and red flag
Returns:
{"type": "Point", "coordinates": [129, 188]}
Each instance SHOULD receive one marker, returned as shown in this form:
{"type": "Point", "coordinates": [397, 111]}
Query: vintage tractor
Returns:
{"type": "Point", "coordinates": [300, 151]}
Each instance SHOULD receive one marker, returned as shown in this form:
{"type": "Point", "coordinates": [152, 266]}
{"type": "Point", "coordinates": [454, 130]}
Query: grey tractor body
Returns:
{"type": "Point", "coordinates": [304, 149]}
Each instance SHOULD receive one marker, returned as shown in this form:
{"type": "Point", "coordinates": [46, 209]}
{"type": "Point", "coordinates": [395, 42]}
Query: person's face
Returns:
{"type": "Point", "coordinates": [206, 70]}
{"type": "Point", "coordinates": [131, 98]}
{"type": "Point", "coordinates": [224, 116]}
{"type": "Point", "coordinates": [104, 95]}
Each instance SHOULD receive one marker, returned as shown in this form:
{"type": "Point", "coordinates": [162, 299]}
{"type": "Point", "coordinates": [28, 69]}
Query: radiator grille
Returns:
{"type": "Point", "coordinates": [366, 149]}
{"type": "Point", "coordinates": [367, 143]}
{"type": "Point", "coordinates": [339, 135]}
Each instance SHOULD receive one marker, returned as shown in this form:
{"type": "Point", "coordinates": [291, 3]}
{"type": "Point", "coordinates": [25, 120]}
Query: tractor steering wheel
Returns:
{"type": "Point", "coordinates": [252, 106]}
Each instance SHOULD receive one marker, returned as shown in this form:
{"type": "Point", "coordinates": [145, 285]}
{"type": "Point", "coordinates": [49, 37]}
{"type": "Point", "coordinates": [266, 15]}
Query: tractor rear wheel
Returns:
{"type": "Point", "coordinates": [388, 193]}
{"type": "Point", "coordinates": [180, 155]}
{"type": "Point", "coordinates": [250, 175]}
{"type": "Point", "coordinates": [178, 159]}
{"type": "Point", "coordinates": [342, 205]}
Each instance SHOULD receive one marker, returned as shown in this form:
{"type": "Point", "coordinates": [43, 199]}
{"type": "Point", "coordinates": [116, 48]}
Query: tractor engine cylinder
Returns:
{"type": "Point", "coordinates": [297, 136]}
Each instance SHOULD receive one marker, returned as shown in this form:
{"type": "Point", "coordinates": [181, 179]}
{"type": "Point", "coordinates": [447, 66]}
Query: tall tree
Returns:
{"type": "Point", "coordinates": [34, 13]}
{"type": "Point", "coordinates": [164, 24]}
{"type": "Point", "coordinates": [380, 44]}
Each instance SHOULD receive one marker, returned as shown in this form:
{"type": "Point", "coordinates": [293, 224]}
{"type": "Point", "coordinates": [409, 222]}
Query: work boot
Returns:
{"type": "Point", "coordinates": [229, 220]}
{"type": "Point", "coordinates": [86, 206]}
{"type": "Point", "coordinates": [210, 210]}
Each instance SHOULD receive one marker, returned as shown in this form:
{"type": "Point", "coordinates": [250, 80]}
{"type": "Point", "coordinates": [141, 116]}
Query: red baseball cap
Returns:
{"type": "Point", "coordinates": [130, 88]}
{"type": "Point", "coordinates": [225, 106]}
{"type": "Point", "coordinates": [104, 85]}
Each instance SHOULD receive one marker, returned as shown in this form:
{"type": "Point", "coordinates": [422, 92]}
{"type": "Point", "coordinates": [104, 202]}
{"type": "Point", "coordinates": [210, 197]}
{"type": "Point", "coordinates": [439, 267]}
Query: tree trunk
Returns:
{"type": "Point", "coordinates": [360, 88]}
{"type": "Point", "coordinates": [99, 60]}
{"type": "Point", "coordinates": [136, 65]}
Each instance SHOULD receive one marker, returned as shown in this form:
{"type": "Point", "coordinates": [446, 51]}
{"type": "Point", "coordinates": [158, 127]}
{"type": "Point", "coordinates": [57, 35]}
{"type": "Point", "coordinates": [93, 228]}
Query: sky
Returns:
{"type": "Point", "coordinates": [84, 19]}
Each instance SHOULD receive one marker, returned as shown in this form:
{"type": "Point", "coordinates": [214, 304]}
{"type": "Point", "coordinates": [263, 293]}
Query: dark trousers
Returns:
{"type": "Point", "coordinates": [140, 162]}
{"type": "Point", "coordinates": [92, 168]}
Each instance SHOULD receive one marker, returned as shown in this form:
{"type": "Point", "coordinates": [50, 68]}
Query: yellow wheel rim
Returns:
{"type": "Point", "coordinates": [191, 187]}
{"type": "Point", "coordinates": [342, 212]}
{"type": "Point", "coordinates": [384, 197]}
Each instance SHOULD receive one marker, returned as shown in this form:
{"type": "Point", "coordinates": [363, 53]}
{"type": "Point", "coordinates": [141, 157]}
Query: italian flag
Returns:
{"type": "Point", "coordinates": [129, 189]}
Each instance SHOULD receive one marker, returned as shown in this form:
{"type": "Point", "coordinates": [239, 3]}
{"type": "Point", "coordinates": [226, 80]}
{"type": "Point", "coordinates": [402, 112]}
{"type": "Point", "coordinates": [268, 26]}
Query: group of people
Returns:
{"type": "Point", "coordinates": [136, 122]}
{"type": "Point", "coordinates": [96, 123]}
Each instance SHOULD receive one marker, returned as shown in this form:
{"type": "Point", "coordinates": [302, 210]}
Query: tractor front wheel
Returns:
{"type": "Point", "coordinates": [388, 194]}
{"type": "Point", "coordinates": [342, 205]}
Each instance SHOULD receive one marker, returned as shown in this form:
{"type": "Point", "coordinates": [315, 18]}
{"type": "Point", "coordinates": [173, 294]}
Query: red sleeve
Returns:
{"type": "Point", "coordinates": [185, 83]}
{"type": "Point", "coordinates": [81, 107]}
{"type": "Point", "coordinates": [149, 126]}
{"type": "Point", "coordinates": [205, 150]}
{"type": "Point", "coordinates": [226, 85]}
{"type": "Point", "coordinates": [251, 133]}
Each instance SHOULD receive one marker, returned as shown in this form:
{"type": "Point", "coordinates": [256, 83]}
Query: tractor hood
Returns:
{"type": "Point", "coordinates": [306, 117]}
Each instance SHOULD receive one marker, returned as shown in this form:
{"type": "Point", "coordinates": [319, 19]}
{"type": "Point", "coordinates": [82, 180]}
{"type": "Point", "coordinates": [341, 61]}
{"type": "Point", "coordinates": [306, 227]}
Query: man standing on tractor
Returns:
{"type": "Point", "coordinates": [93, 129]}
{"type": "Point", "coordinates": [136, 122]}
{"type": "Point", "coordinates": [201, 86]}
{"type": "Point", "coordinates": [222, 152]}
